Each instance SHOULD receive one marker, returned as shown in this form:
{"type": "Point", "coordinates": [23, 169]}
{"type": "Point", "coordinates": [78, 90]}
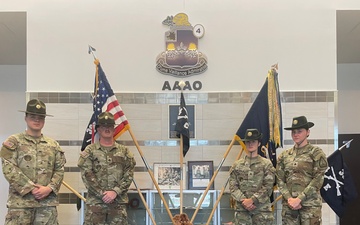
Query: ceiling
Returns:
{"type": "Point", "coordinates": [13, 37]}
{"type": "Point", "coordinates": [348, 36]}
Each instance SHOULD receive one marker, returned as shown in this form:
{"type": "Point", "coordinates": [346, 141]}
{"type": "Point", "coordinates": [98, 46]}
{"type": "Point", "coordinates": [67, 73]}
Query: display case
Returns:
{"type": "Point", "coordinates": [190, 202]}
{"type": "Point", "coordinates": [226, 212]}
{"type": "Point", "coordinates": [137, 214]}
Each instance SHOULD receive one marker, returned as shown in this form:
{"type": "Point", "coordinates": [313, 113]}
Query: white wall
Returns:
{"type": "Point", "coordinates": [242, 40]}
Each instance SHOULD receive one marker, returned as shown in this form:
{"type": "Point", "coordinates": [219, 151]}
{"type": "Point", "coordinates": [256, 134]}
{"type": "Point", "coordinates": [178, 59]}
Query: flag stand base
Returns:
{"type": "Point", "coordinates": [182, 219]}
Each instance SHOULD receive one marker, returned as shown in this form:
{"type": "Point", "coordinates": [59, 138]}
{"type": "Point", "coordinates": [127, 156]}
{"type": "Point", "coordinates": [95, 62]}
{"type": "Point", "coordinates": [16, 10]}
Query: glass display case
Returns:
{"type": "Point", "coordinates": [137, 214]}
{"type": "Point", "coordinates": [190, 202]}
{"type": "Point", "coordinates": [226, 212]}
{"type": "Point", "coordinates": [223, 215]}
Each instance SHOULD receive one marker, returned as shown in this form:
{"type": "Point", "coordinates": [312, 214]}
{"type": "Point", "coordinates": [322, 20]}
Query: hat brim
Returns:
{"type": "Point", "coordinates": [98, 125]}
{"type": "Point", "coordinates": [35, 113]}
{"type": "Point", "coordinates": [253, 139]}
{"type": "Point", "coordinates": [306, 126]}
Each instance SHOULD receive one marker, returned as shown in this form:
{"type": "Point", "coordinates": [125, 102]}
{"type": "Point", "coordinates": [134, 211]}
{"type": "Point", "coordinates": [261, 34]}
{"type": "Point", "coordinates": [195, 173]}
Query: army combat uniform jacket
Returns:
{"type": "Point", "coordinates": [105, 169]}
{"type": "Point", "coordinates": [300, 173]}
{"type": "Point", "coordinates": [27, 161]}
{"type": "Point", "coordinates": [252, 178]}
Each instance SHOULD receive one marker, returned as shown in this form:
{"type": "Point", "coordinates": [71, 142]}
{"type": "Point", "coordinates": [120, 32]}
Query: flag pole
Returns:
{"type": "Point", "coordinates": [181, 173]}
{"type": "Point", "coordinates": [74, 191]}
{"type": "Point", "coordinates": [212, 179]}
{"type": "Point", "coordinates": [222, 192]}
{"type": "Point", "coordinates": [343, 146]}
{"type": "Point", "coordinates": [182, 85]}
{"type": "Point", "coordinates": [346, 144]}
{"type": "Point", "coordinates": [144, 202]}
{"type": "Point", "coordinates": [151, 175]}
{"type": "Point", "coordinates": [92, 51]}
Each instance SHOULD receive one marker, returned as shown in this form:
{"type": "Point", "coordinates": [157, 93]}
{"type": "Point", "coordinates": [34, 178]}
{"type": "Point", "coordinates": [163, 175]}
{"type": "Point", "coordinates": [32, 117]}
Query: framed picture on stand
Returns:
{"type": "Point", "coordinates": [167, 175]}
{"type": "Point", "coordinates": [200, 174]}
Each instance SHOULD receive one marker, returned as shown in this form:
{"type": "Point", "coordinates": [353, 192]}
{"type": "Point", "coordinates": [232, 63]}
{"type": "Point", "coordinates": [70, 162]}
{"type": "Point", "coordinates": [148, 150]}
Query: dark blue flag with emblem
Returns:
{"type": "Point", "coordinates": [182, 125]}
{"type": "Point", "coordinates": [265, 115]}
{"type": "Point", "coordinates": [338, 188]}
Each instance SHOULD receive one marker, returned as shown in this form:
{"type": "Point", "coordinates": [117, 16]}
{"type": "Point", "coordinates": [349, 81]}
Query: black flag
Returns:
{"type": "Point", "coordinates": [338, 188]}
{"type": "Point", "coordinates": [182, 125]}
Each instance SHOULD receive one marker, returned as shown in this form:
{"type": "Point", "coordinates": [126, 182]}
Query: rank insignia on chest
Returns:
{"type": "Point", "coordinates": [250, 174]}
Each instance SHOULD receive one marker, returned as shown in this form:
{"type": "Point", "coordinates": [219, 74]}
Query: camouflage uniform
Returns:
{"type": "Point", "coordinates": [300, 173]}
{"type": "Point", "coordinates": [27, 161]}
{"type": "Point", "coordinates": [105, 169]}
{"type": "Point", "coordinates": [252, 178]}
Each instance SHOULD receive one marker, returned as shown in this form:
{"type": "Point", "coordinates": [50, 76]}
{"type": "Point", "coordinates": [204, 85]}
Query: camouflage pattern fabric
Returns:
{"type": "Point", "coordinates": [27, 161]}
{"type": "Point", "coordinates": [300, 173]}
{"type": "Point", "coordinates": [304, 216]}
{"type": "Point", "coordinates": [36, 216]}
{"type": "Point", "coordinates": [249, 218]}
{"type": "Point", "coordinates": [105, 214]}
{"type": "Point", "coordinates": [105, 169]}
{"type": "Point", "coordinates": [252, 178]}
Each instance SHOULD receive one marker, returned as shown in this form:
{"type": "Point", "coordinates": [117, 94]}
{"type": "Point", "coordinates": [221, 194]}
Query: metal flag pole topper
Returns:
{"type": "Point", "coordinates": [347, 144]}
{"type": "Point", "coordinates": [91, 51]}
{"type": "Point", "coordinates": [343, 146]}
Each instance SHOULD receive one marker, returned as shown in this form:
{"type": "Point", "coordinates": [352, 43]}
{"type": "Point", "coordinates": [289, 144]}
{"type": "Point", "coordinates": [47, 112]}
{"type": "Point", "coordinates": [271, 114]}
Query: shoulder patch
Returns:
{"type": "Point", "coordinates": [9, 144]}
{"type": "Point", "coordinates": [84, 154]}
{"type": "Point", "coordinates": [323, 162]}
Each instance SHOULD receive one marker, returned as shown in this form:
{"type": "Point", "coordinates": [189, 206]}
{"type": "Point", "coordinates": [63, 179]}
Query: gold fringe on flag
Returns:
{"type": "Point", "coordinates": [274, 109]}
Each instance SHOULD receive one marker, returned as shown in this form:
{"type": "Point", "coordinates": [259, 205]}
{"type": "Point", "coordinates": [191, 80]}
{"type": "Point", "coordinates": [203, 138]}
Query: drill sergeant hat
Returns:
{"type": "Point", "coordinates": [36, 107]}
{"type": "Point", "coordinates": [300, 122]}
{"type": "Point", "coordinates": [252, 135]}
{"type": "Point", "coordinates": [105, 118]}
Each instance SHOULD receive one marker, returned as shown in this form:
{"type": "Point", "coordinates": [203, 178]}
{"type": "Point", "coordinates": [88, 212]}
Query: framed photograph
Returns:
{"type": "Point", "coordinates": [200, 174]}
{"type": "Point", "coordinates": [167, 175]}
{"type": "Point", "coordinates": [173, 114]}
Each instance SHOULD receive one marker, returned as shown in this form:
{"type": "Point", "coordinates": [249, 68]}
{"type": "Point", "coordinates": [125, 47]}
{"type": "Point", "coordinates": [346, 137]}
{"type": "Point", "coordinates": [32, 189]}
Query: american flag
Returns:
{"type": "Point", "coordinates": [104, 100]}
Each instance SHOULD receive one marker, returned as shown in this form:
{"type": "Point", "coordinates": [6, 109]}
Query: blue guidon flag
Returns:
{"type": "Point", "coordinates": [265, 115]}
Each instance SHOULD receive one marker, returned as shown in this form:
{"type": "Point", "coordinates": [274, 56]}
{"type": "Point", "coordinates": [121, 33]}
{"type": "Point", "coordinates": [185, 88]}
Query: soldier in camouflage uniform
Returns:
{"type": "Point", "coordinates": [107, 169]}
{"type": "Point", "coordinates": [251, 184]}
{"type": "Point", "coordinates": [300, 175]}
{"type": "Point", "coordinates": [34, 167]}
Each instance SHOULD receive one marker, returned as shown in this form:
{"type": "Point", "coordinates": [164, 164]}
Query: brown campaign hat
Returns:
{"type": "Point", "coordinates": [36, 107]}
{"type": "Point", "coordinates": [300, 122]}
{"type": "Point", "coordinates": [252, 135]}
{"type": "Point", "coordinates": [105, 118]}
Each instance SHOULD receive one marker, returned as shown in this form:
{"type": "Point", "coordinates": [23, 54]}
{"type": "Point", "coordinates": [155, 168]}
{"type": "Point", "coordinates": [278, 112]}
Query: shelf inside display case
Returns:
{"type": "Point", "coordinates": [191, 198]}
